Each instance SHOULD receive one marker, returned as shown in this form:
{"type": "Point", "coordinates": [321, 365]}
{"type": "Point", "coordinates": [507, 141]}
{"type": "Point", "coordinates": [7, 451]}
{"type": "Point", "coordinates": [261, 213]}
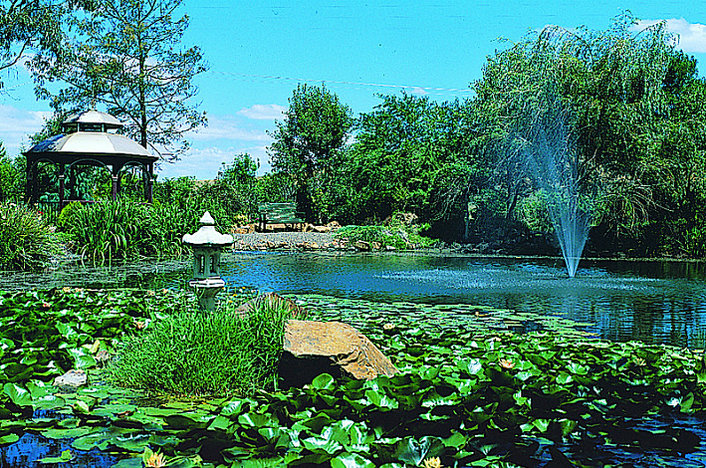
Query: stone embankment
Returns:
{"type": "Point", "coordinates": [313, 238]}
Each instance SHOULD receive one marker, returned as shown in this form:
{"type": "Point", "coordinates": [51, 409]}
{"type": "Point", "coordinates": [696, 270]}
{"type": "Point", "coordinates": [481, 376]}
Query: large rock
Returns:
{"type": "Point", "coordinates": [311, 348]}
{"type": "Point", "coordinates": [71, 380]}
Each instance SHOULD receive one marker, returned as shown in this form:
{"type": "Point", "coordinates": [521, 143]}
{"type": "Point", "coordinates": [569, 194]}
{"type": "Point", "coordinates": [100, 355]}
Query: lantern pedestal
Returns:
{"type": "Point", "coordinates": [206, 291]}
{"type": "Point", "coordinates": [207, 244]}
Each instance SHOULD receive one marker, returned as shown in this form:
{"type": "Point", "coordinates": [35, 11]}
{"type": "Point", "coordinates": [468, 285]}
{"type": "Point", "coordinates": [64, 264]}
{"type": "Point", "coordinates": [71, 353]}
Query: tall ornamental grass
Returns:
{"type": "Point", "coordinates": [123, 229]}
{"type": "Point", "coordinates": [109, 230]}
{"type": "Point", "coordinates": [27, 242]}
{"type": "Point", "coordinates": [197, 353]}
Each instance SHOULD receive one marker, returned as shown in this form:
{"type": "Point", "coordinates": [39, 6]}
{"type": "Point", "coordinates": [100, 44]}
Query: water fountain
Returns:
{"type": "Point", "coordinates": [553, 160]}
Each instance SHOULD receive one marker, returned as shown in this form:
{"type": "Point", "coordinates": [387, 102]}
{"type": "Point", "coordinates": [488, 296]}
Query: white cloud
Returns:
{"type": "Point", "coordinates": [228, 128]}
{"type": "Point", "coordinates": [692, 36]}
{"type": "Point", "coordinates": [204, 163]}
{"type": "Point", "coordinates": [418, 91]}
{"type": "Point", "coordinates": [263, 112]}
{"type": "Point", "coordinates": [16, 125]}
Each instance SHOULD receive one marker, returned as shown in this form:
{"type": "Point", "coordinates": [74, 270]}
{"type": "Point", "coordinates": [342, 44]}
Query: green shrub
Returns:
{"type": "Point", "coordinates": [110, 230]}
{"type": "Point", "coordinates": [197, 353]}
{"type": "Point", "coordinates": [396, 234]}
{"type": "Point", "coordinates": [66, 217]}
{"type": "Point", "coordinates": [26, 241]}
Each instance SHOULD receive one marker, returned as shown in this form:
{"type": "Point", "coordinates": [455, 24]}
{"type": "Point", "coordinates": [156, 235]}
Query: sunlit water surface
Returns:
{"type": "Point", "coordinates": [657, 301]}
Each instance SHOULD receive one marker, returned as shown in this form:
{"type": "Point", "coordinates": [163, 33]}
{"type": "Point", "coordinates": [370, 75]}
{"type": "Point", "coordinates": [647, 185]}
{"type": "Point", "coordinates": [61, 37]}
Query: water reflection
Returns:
{"type": "Point", "coordinates": [651, 301]}
{"type": "Point", "coordinates": [662, 302]}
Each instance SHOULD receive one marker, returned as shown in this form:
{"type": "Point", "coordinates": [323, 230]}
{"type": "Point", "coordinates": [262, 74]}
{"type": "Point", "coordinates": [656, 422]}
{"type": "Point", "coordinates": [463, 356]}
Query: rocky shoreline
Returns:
{"type": "Point", "coordinates": [301, 241]}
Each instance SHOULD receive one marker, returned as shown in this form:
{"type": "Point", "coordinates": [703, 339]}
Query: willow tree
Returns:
{"type": "Point", "coordinates": [127, 55]}
{"type": "Point", "coordinates": [627, 91]}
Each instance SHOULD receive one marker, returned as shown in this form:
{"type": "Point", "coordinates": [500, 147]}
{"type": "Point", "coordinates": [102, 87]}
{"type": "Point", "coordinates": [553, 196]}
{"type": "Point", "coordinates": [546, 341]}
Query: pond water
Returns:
{"type": "Point", "coordinates": [651, 301]}
{"type": "Point", "coordinates": [656, 301]}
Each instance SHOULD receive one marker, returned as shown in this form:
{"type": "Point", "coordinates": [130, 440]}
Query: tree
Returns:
{"type": "Point", "coordinates": [308, 143]}
{"type": "Point", "coordinates": [29, 25]}
{"type": "Point", "coordinates": [412, 154]}
{"type": "Point", "coordinates": [126, 55]}
{"type": "Point", "coordinates": [635, 113]}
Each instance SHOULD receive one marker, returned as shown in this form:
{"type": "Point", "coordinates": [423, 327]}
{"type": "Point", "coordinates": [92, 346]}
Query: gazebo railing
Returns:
{"type": "Point", "coordinates": [49, 209]}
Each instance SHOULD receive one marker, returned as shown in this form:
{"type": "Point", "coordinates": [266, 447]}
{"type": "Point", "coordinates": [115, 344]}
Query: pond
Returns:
{"type": "Point", "coordinates": [657, 301]}
{"type": "Point", "coordinates": [651, 301]}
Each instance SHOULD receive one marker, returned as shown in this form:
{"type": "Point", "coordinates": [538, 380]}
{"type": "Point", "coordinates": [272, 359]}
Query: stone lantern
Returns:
{"type": "Point", "coordinates": [207, 244]}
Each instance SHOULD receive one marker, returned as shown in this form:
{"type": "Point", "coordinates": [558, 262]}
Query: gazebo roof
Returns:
{"type": "Point", "coordinates": [93, 144]}
{"type": "Point", "coordinates": [94, 117]}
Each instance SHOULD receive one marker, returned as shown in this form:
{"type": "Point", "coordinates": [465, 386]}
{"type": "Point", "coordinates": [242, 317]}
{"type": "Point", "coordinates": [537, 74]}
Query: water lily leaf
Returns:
{"type": "Point", "coordinates": [413, 451]}
{"type": "Point", "coordinates": [132, 442]}
{"type": "Point", "coordinates": [351, 460]}
{"type": "Point", "coordinates": [455, 440]}
{"type": "Point", "coordinates": [9, 439]}
{"type": "Point", "coordinates": [186, 421]}
{"type": "Point", "coordinates": [381, 400]}
{"type": "Point", "coordinates": [318, 444]}
{"type": "Point", "coordinates": [70, 433]}
{"type": "Point", "coordinates": [135, 462]}
{"type": "Point", "coordinates": [66, 456]}
{"type": "Point", "coordinates": [82, 360]}
{"type": "Point", "coordinates": [18, 394]}
{"type": "Point", "coordinates": [323, 382]}
{"type": "Point", "coordinates": [564, 378]}
{"type": "Point", "coordinates": [471, 366]}
{"type": "Point", "coordinates": [257, 420]}
{"type": "Point", "coordinates": [235, 407]}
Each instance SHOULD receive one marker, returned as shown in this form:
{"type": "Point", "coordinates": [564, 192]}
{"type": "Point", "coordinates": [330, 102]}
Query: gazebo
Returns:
{"type": "Point", "coordinates": [89, 138]}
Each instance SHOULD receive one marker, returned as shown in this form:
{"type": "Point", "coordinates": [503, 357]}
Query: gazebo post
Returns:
{"type": "Point", "coordinates": [116, 184]}
{"type": "Point", "coordinates": [30, 181]}
{"type": "Point", "coordinates": [62, 178]}
{"type": "Point", "coordinates": [35, 190]}
{"type": "Point", "coordinates": [150, 181]}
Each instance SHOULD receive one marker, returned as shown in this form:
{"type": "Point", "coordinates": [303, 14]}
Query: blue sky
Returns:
{"type": "Point", "coordinates": [258, 52]}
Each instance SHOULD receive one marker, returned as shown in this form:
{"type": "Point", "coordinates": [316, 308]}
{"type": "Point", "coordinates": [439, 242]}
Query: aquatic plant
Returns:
{"type": "Point", "coordinates": [193, 353]}
{"type": "Point", "coordinates": [470, 393]}
{"type": "Point", "coordinates": [27, 242]}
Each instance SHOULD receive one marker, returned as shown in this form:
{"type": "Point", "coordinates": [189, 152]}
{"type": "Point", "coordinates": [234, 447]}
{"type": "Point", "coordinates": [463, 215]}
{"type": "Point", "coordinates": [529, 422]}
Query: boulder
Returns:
{"type": "Point", "coordinates": [71, 380]}
{"type": "Point", "coordinates": [312, 348]}
{"type": "Point", "coordinates": [361, 245]}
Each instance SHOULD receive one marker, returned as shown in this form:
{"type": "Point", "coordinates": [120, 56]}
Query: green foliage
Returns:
{"type": "Point", "coordinates": [468, 391]}
{"type": "Point", "coordinates": [308, 143]}
{"type": "Point", "coordinates": [196, 353]}
{"type": "Point", "coordinates": [396, 233]}
{"type": "Point", "coordinates": [632, 101]}
{"type": "Point", "coordinates": [26, 241]}
{"type": "Point", "coordinates": [67, 215]}
{"type": "Point", "coordinates": [26, 26]}
{"type": "Point", "coordinates": [61, 329]}
{"type": "Point", "coordinates": [109, 230]}
{"type": "Point", "coordinates": [411, 154]}
{"type": "Point", "coordinates": [128, 230]}
{"type": "Point", "coordinates": [12, 177]}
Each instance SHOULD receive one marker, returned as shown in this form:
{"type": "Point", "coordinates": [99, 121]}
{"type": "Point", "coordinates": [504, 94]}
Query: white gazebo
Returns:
{"type": "Point", "coordinates": [90, 138]}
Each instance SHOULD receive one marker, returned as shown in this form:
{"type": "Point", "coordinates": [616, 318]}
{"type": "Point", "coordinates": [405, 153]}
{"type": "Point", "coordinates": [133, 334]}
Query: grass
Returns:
{"type": "Point", "coordinates": [399, 237]}
{"type": "Point", "coordinates": [27, 242]}
{"type": "Point", "coordinates": [195, 353]}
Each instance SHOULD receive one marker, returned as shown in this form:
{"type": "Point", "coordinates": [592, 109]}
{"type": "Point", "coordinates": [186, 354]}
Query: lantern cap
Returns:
{"type": "Point", "coordinates": [207, 234]}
